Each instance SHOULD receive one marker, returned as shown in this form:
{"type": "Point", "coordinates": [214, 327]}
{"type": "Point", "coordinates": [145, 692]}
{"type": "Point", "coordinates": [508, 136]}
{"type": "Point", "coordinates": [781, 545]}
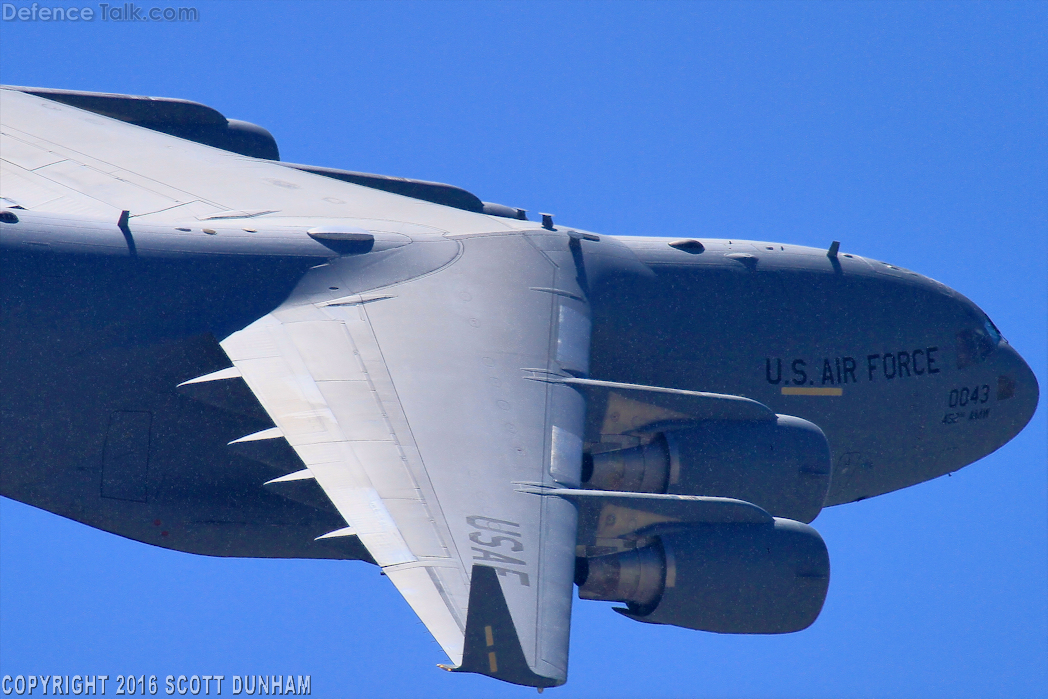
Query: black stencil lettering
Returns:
{"type": "Point", "coordinates": [827, 372]}
{"type": "Point", "coordinates": [778, 370]}
{"type": "Point", "coordinates": [884, 363]}
{"type": "Point", "coordinates": [904, 363]}
{"type": "Point", "coordinates": [798, 371]}
{"type": "Point", "coordinates": [871, 363]}
{"type": "Point", "coordinates": [931, 360]}
{"type": "Point", "coordinates": [917, 370]}
{"type": "Point", "coordinates": [849, 369]}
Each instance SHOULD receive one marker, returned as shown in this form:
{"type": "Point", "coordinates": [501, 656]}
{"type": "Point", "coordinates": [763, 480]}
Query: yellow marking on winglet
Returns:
{"type": "Point", "coordinates": [488, 636]}
{"type": "Point", "coordinates": [492, 663]}
{"type": "Point", "coordinates": [811, 391]}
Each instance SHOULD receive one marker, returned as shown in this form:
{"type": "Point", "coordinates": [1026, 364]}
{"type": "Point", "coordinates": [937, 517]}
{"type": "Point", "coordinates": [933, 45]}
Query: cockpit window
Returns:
{"type": "Point", "coordinates": [992, 331]}
{"type": "Point", "coordinates": [976, 344]}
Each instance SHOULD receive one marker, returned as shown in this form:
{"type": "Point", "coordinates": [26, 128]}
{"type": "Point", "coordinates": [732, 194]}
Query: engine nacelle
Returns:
{"type": "Point", "coordinates": [783, 465]}
{"type": "Point", "coordinates": [725, 578]}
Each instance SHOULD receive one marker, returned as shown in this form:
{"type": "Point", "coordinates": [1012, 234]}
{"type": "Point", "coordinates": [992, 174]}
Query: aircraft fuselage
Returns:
{"type": "Point", "coordinates": [908, 379]}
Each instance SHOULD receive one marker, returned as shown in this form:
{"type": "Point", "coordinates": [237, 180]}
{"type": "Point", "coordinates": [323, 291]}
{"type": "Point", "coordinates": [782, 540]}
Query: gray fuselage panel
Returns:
{"type": "Point", "coordinates": [904, 375]}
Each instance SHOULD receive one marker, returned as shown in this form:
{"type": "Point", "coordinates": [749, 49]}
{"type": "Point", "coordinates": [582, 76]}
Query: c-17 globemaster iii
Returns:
{"type": "Point", "coordinates": [213, 351]}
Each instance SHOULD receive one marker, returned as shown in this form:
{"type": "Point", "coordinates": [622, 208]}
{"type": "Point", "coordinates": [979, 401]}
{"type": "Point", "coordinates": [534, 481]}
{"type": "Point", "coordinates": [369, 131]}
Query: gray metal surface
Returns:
{"type": "Point", "coordinates": [221, 355]}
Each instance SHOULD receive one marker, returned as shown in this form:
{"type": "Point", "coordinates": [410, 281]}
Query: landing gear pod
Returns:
{"type": "Point", "coordinates": [723, 578]}
{"type": "Point", "coordinates": [783, 465]}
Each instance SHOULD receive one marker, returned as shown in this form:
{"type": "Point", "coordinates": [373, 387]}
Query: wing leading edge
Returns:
{"type": "Point", "coordinates": [413, 410]}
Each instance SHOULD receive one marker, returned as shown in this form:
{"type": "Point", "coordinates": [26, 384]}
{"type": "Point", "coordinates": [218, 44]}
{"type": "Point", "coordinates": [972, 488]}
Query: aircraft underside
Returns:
{"type": "Point", "coordinates": [93, 355]}
{"type": "Point", "coordinates": [234, 356]}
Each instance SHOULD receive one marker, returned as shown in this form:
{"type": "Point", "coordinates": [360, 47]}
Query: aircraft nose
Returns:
{"type": "Point", "coordinates": [1016, 391]}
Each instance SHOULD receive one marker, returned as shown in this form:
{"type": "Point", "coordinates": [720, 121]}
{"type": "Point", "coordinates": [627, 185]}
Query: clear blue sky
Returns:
{"type": "Point", "coordinates": [912, 132]}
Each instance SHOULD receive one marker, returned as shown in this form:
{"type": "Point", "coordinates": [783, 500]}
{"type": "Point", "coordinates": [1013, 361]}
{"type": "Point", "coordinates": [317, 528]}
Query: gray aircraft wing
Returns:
{"type": "Point", "coordinates": [410, 406]}
{"type": "Point", "coordinates": [401, 369]}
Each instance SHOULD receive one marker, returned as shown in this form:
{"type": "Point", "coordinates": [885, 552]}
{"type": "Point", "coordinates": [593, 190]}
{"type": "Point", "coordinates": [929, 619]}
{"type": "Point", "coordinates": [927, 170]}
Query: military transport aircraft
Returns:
{"type": "Point", "coordinates": [210, 350]}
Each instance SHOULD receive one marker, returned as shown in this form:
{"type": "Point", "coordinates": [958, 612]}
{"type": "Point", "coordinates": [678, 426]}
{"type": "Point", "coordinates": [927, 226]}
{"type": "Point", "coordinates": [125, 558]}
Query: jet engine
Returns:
{"type": "Point", "coordinates": [782, 465]}
{"type": "Point", "coordinates": [725, 578]}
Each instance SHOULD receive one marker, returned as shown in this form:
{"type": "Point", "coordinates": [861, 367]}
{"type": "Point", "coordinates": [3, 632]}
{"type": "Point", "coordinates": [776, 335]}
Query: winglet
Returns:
{"type": "Point", "coordinates": [492, 646]}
